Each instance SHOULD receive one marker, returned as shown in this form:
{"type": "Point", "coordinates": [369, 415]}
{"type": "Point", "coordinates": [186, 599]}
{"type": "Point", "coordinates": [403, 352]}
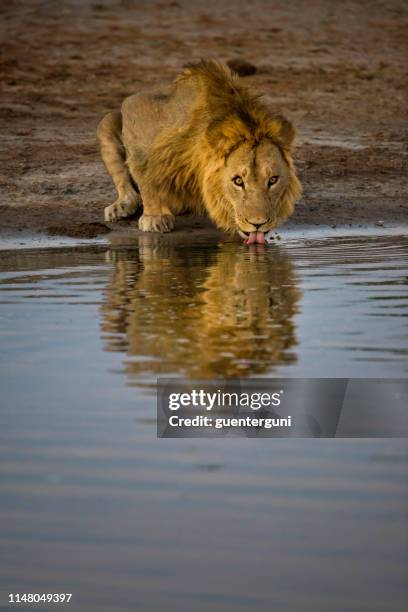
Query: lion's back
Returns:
{"type": "Point", "coordinates": [146, 115]}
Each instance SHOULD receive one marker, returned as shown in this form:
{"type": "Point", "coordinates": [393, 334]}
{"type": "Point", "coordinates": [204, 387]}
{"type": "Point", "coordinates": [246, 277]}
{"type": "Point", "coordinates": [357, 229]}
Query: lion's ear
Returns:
{"type": "Point", "coordinates": [225, 134]}
{"type": "Point", "coordinates": [281, 131]}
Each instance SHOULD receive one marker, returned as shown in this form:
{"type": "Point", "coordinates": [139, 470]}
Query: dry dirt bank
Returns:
{"type": "Point", "coordinates": [338, 70]}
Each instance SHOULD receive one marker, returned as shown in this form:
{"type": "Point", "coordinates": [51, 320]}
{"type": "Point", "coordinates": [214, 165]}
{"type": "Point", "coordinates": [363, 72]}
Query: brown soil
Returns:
{"type": "Point", "coordinates": [79, 230]}
{"type": "Point", "coordinates": [338, 70]}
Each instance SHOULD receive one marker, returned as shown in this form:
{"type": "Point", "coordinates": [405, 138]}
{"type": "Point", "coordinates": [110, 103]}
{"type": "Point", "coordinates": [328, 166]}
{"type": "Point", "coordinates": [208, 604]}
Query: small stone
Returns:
{"type": "Point", "coordinates": [380, 223]}
{"type": "Point", "coordinates": [242, 67]}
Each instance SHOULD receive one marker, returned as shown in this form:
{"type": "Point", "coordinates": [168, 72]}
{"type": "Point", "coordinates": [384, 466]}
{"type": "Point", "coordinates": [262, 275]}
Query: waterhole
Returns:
{"type": "Point", "coordinates": [94, 504]}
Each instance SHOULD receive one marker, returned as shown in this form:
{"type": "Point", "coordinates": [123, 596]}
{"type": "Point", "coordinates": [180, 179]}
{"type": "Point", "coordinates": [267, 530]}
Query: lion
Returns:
{"type": "Point", "coordinates": [205, 144]}
{"type": "Point", "coordinates": [233, 317]}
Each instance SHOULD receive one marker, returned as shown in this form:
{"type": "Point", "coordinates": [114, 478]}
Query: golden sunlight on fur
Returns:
{"type": "Point", "coordinates": [207, 144]}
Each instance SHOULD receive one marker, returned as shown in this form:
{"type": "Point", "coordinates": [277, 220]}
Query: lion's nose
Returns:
{"type": "Point", "coordinates": [256, 222]}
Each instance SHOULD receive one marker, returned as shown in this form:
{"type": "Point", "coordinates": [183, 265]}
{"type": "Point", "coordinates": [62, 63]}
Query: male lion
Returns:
{"type": "Point", "coordinates": [204, 144]}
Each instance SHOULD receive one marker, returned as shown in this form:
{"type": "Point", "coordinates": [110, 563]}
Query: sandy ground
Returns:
{"type": "Point", "coordinates": [338, 70]}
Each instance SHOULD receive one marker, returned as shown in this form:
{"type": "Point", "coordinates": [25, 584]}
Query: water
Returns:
{"type": "Point", "coordinates": [93, 503]}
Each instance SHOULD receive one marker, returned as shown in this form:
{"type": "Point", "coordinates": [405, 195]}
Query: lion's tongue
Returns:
{"type": "Point", "coordinates": [256, 237]}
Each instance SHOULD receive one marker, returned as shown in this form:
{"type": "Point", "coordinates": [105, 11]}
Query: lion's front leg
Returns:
{"type": "Point", "coordinates": [113, 153]}
{"type": "Point", "coordinates": [157, 215]}
{"type": "Point", "coordinates": [163, 222]}
{"type": "Point", "coordinates": [125, 206]}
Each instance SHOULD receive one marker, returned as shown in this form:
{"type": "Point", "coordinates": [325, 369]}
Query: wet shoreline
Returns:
{"type": "Point", "coordinates": [19, 240]}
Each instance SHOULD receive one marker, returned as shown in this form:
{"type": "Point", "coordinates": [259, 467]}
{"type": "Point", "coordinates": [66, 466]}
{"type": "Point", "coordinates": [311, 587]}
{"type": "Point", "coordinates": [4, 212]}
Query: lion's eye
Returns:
{"type": "Point", "coordinates": [273, 180]}
{"type": "Point", "coordinates": [238, 180]}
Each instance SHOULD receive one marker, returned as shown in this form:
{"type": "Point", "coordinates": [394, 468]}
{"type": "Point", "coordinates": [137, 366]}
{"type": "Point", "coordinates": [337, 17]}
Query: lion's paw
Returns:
{"type": "Point", "coordinates": [156, 223]}
{"type": "Point", "coordinates": [120, 209]}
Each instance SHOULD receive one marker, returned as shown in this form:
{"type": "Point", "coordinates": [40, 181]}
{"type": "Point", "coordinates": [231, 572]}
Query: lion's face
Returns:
{"type": "Point", "coordinates": [255, 179]}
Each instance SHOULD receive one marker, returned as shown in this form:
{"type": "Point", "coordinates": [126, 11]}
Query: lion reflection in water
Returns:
{"type": "Point", "coordinates": [201, 313]}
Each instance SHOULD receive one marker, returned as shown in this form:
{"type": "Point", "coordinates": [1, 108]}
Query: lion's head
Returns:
{"type": "Point", "coordinates": [257, 183]}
